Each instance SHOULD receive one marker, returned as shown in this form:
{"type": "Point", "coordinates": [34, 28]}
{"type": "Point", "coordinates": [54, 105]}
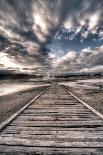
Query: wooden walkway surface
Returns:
{"type": "Point", "coordinates": [55, 123]}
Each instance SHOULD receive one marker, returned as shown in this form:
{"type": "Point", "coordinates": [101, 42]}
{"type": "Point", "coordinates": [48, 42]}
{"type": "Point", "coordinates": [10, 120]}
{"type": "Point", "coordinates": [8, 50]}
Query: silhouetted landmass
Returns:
{"type": "Point", "coordinates": [4, 76]}
{"type": "Point", "coordinates": [83, 74]}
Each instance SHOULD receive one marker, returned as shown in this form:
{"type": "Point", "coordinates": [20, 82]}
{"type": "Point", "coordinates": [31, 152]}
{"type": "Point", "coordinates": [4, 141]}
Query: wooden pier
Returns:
{"type": "Point", "coordinates": [55, 122]}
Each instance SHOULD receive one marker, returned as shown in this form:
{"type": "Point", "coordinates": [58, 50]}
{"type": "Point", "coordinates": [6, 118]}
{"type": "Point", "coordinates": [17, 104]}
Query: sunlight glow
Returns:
{"type": "Point", "coordinates": [6, 62]}
{"type": "Point", "coordinates": [94, 20]}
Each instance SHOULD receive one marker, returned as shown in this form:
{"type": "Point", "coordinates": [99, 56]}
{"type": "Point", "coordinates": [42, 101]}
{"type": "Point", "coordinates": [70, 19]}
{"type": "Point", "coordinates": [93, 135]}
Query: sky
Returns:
{"type": "Point", "coordinates": [51, 36]}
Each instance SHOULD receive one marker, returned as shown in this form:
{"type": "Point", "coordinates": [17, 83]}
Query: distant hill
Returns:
{"type": "Point", "coordinates": [80, 74]}
{"type": "Point", "coordinates": [8, 75]}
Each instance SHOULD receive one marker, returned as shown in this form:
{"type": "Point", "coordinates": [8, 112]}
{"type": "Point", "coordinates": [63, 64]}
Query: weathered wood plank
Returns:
{"type": "Point", "coordinates": [49, 143]}
{"type": "Point", "coordinates": [56, 105]}
{"type": "Point", "coordinates": [33, 131]}
{"type": "Point", "coordinates": [57, 110]}
{"type": "Point", "coordinates": [57, 123]}
{"type": "Point", "coordinates": [50, 150]}
{"type": "Point", "coordinates": [51, 113]}
{"type": "Point", "coordinates": [54, 135]}
{"type": "Point", "coordinates": [60, 118]}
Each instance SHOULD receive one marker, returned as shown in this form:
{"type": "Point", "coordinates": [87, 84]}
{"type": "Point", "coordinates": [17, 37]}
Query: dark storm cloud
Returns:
{"type": "Point", "coordinates": [85, 10]}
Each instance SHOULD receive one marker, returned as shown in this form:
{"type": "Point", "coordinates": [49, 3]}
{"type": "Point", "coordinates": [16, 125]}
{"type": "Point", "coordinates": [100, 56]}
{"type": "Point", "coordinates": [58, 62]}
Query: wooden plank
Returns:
{"type": "Point", "coordinates": [69, 133]}
{"type": "Point", "coordinates": [61, 114]}
{"type": "Point", "coordinates": [57, 106]}
{"type": "Point", "coordinates": [58, 103]}
{"type": "Point", "coordinates": [38, 106]}
{"type": "Point", "coordinates": [49, 143]}
{"type": "Point", "coordinates": [57, 137]}
{"type": "Point", "coordinates": [57, 99]}
{"type": "Point", "coordinates": [63, 118]}
{"type": "Point", "coordinates": [56, 110]}
{"type": "Point", "coordinates": [57, 96]}
{"type": "Point", "coordinates": [93, 129]}
{"type": "Point", "coordinates": [50, 150]}
{"type": "Point", "coordinates": [57, 123]}
{"type": "Point", "coordinates": [53, 130]}
{"type": "Point", "coordinates": [34, 131]}
{"type": "Point", "coordinates": [25, 131]}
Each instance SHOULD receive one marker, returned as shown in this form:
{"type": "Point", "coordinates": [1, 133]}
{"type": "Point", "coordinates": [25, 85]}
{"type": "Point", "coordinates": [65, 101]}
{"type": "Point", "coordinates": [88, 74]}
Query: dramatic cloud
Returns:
{"type": "Point", "coordinates": [36, 35]}
{"type": "Point", "coordinates": [29, 25]}
{"type": "Point", "coordinates": [87, 60]}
